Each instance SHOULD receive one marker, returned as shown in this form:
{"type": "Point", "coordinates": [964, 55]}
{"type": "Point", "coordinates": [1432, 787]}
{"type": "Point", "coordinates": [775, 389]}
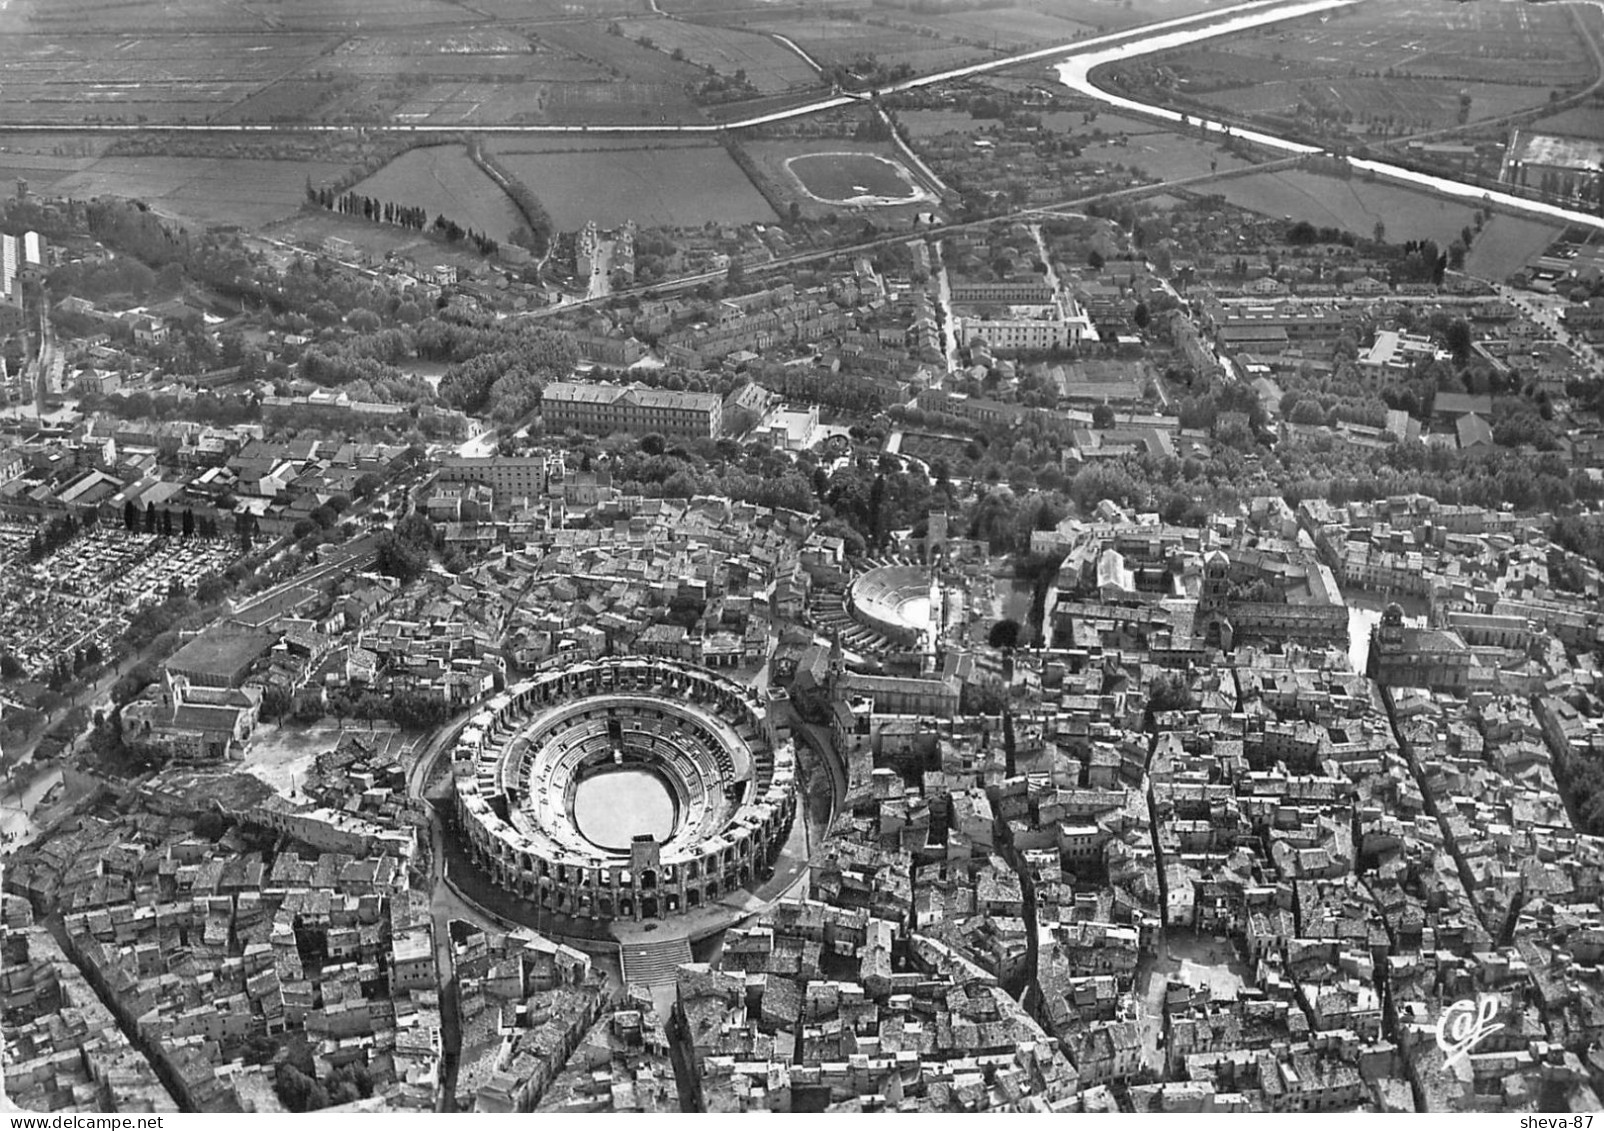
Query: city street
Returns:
{"type": "Point", "coordinates": [1547, 311]}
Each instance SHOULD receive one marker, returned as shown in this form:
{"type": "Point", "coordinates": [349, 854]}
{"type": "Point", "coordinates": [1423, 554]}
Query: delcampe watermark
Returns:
{"type": "Point", "coordinates": [1464, 1025]}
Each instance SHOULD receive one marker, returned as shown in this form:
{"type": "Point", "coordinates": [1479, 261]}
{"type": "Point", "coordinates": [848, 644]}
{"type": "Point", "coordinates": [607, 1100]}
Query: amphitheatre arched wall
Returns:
{"type": "Point", "coordinates": [519, 762]}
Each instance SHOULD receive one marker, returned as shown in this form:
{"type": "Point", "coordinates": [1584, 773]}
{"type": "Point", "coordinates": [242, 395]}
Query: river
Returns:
{"type": "Point", "coordinates": [1075, 73]}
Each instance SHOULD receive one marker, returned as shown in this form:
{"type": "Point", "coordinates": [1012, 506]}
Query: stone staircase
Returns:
{"type": "Point", "coordinates": [652, 963]}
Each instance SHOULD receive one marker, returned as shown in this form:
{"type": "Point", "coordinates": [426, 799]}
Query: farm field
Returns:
{"type": "Point", "coordinates": [840, 178]}
{"type": "Point", "coordinates": [207, 190]}
{"type": "Point", "coordinates": [673, 186]}
{"type": "Point", "coordinates": [356, 15]}
{"type": "Point", "coordinates": [928, 123]}
{"type": "Point", "coordinates": [1406, 104]}
{"type": "Point", "coordinates": [475, 103]}
{"type": "Point", "coordinates": [1163, 155]}
{"type": "Point", "coordinates": [1579, 121]}
{"type": "Point", "coordinates": [635, 84]}
{"type": "Point", "coordinates": [1111, 16]}
{"type": "Point", "coordinates": [480, 54]}
{"type": "Point", "coordinates": [721, 11]}
{"type": "Point", "coordinates": [615, 55]}
{"type": "Point", "coordinates": [469, 52]}
{"type": "Point", "coordinates": [1506, 244]}
{"type": "Point", "coordinates": [769, 66]}
{"type": "Point", "coordinates": [54, 145]}
{"type": "Point", "coordinates": [43, 161]}
{"type": "Point", "coordinates": [835, 42]}
{"type": "Point", "coordinates": [1393, 69]}
{"type": "Point", "coordinates": [1352, 205]}
{"type": "Point", "coordinates": [188, 17]}
{"type": "Point", "coordinates": [40, 178]}
{"type": "Point", "coordinates": [1496, 43]}
{"type": "Point", "coordinates": [443, 180]}
{"type": "Point", "coordinates": [931, 123]}
{"type": "Point", "coordinates": [482, 77]}
{"type": "Point", "coordinates": [1004, 28]}
{"type": "Point", "coordinates": [306, 60]}
{"type": "Point", "coordinates": [73, 77]}
{"type": "Point", "coordinates": [618, 104]}
{"type": "Point", "coordinates": [1020, 25]}
{"type": "Point", "coordinates": [296, 99]}
{"type": "Point", "coordinates": [560, 9]}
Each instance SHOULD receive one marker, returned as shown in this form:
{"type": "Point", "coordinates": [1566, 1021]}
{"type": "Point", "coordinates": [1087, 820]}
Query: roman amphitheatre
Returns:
{"type": "Point", "coordinates": [624, 789]}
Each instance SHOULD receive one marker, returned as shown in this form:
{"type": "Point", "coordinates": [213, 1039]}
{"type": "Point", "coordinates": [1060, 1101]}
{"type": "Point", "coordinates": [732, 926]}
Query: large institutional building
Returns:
{"type": "Point", "coordinates": [510, 477]}
{"type": "Point", "coordinates": [604, 409]}
{"type": "Point", "coordinates": [19, 255]}
{"type": "Point", "coordinates": [1018, 317]}
{"type": "Point", "coordinates": [1403, 655]}
{"type": "Point", "coordinates": [1028, 328]}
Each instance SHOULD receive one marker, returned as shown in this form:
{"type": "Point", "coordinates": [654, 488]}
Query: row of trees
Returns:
{"type": "Point", "coordinates": [535, 233]}
{"type": "Point", "coordinates": [400, 215]}
{"type": "Point", "coordinates": [456, 233]}
{"type": "Point", "coordinates": [162, 521]}
{"type": "Point", "coordinates": [368, 208]}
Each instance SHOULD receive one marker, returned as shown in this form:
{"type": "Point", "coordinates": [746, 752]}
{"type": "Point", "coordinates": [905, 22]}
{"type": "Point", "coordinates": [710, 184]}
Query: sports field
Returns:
{"type": "Point", "coordinates": [847, 178]}
{"type": "Point", "coordinates": [671, 185]}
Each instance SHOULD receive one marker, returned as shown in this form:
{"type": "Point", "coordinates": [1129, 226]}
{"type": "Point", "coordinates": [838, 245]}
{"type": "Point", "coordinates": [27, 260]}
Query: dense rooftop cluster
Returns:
{"type": "Point", "coordinates": [209, 952]}
{"type": "Point", "coordinates": [1138, 659]}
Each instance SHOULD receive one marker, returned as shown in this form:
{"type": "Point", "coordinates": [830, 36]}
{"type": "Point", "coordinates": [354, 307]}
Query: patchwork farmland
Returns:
{"type": "Point", "coordinates": [768, 65]}
{"type": "Point", "coordinates": [1370, 71]}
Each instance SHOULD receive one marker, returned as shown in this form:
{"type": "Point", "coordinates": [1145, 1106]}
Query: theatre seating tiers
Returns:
{"type": "Point", "coordinates": [519, 762]}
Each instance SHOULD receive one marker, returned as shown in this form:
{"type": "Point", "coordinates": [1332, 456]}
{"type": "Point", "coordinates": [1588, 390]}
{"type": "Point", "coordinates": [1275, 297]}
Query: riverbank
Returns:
{"type": "Point", "coordinates": [1076, 73]}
